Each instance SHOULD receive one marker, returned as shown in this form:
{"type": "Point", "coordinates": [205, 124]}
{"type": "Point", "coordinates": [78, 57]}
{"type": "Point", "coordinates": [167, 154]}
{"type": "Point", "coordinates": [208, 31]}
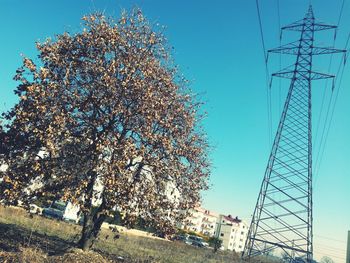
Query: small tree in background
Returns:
{"type": "Point", "coordinates": [326, 259]}
{"type": "Point", "coordinates": [285, 257]}
{"type": "Point", "coordinates": [215, 243]}
{"type": "Point", "coordinates": [107, 122]}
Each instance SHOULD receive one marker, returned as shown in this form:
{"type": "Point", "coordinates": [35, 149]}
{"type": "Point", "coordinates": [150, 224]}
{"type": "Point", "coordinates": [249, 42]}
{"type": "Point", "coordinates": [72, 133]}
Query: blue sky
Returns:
{"type": "Point", "coordinates": [218, 48]}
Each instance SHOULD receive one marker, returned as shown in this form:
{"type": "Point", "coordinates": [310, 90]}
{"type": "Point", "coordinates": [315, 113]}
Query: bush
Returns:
{"type": "Point", "coordinates": [114, 219]}
{"type": "Point", "coordinates": [215, 243]}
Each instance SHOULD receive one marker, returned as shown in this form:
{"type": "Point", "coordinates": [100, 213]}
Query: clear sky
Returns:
{"type": "Point", "coordinates": [217, 46]}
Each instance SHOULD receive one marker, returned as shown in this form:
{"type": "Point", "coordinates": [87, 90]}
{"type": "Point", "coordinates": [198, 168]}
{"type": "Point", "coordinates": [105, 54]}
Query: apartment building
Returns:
{"type": "Point", "coordinates": [231, 230]}
{"type": "Point", "coordinates": [201, 221]}
{"type": "Point", "coordinates": [209, 223]}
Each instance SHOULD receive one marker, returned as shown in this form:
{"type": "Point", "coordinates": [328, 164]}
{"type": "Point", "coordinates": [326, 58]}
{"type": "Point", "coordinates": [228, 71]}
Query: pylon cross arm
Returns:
{"type": "Point", "coordinates": [306, 74]}
{"type": "Point", "coordinates": [300, 26]}
{"type": "Point", "coordinates": [294, 50]}
{"type": "Point", "coordinates": [326, 50]}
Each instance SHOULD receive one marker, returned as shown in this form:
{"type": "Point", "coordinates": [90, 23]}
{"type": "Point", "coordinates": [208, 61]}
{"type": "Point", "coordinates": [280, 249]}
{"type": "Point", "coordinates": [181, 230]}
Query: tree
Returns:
{"type": "Point", "coordinates": [326, 259]}
{"type": "Point", "coordinates": [286, 257]}
{"type": "Point", "coordinates": [3, 139]}
{"type": "Point", "coordinates": [215, 243]}
{"type": "Point", "coordinates": [109, 122]}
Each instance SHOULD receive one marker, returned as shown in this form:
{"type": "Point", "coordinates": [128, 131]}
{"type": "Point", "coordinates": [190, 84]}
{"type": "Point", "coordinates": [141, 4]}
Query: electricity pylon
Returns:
{"type": "Point", "coordinates": [282, 219]}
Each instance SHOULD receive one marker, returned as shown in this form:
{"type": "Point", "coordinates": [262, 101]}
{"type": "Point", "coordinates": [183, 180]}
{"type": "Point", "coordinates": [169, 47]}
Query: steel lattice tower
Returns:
{"type": "Point", "coordinates": [282, 219]}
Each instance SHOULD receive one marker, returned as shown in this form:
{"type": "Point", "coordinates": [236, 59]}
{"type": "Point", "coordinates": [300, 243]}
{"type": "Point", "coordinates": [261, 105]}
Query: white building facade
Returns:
{"type": "Point", "coordinates": [209, 223]}
{"type": "Point", "coordinates": [201, 221]}
{"type": "Point", "coordinates": [232, 231]}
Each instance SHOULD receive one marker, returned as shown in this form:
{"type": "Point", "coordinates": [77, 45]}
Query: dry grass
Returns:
{"type": "Point", "coordinates": [24, 255]}
{"type": "Point", "coordinates": [35, 255]}
{"type": "Point", "coordinates": [25, 238]}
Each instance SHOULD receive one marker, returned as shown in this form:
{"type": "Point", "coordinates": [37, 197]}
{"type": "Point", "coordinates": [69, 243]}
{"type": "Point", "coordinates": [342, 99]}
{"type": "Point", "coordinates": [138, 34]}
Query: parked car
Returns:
{"type": "Point", "coordinates": [34, 209]}
{"type": "Point", "coordinates": [181, 237]}
{"type": "Point", "coordinates": [196, 241]}
{"type": "Point", "coordinates": [72, 213]}
{"type": "Point", "coordinates": [63, 211]}
{"type": "Point", "coordinates": [55, 210]}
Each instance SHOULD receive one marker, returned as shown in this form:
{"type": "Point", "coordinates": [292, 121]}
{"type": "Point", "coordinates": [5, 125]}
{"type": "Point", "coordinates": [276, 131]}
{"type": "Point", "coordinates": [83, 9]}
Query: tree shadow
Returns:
{"type": "Point", "coordinates": [12, 237]}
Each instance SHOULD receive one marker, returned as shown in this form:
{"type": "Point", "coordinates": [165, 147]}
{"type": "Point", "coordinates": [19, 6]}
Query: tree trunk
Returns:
{"type": "Point", "coordinates": [93, 218]}
{"type": "Point", "coordinates": [91, 228]}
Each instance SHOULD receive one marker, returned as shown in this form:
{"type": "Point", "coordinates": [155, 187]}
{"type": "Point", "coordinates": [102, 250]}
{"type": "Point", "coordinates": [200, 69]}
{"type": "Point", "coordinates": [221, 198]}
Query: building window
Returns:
{"type": "Point", "coordinates": [242, 233]}
{"type": "Point", "coordinates": [231, 237]}
{"type": "Point", "coordinates": [241, 240]}
{"type": "Point", "coordinates": [240, 246]}
{"type": "Point", "coordinates": [222, 234]}
{"type": "Point", "coordinates": [231, 244]}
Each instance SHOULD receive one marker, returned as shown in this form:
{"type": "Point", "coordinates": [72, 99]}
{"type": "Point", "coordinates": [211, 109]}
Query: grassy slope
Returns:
{"type": "Point", "coordinates": [18, 229]}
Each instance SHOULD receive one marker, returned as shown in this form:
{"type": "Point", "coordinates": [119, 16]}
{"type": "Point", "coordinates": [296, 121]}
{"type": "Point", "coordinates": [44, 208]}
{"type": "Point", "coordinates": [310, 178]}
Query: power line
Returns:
{"type": "Point", "coordinates": [330, 255]}
{"type": "Point", "coordinates": [324, 135]}
{"type": "Point", "coordinates": [329, 66]}
{"type": "Point", "coordinates": [280, 57]}
{"type": "Point", "coordinates": [327, 127]}
{"type": "Point", "coordinates": [331, 118]}
{"type": "Point", "coordinates": [341, 12]}
{"type": "Point", "coordinates": [329, 238]}
{"type": "Point", "coordinates": [279, 111]}
{"type": "Point", "coordinates": [330, 248]}
{"type": "Point", "coordinates": [324, 95]}
{"type": "Point", "coordinates": [327, 250]}
{"type": "Point", "coordinates": [268, 95]}
{"type": "Point", "coordinates": [261, 30]}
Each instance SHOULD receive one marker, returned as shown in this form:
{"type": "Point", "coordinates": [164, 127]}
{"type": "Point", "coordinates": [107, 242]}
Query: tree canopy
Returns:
{"type": "Point", "coordinates": [106, 120]}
